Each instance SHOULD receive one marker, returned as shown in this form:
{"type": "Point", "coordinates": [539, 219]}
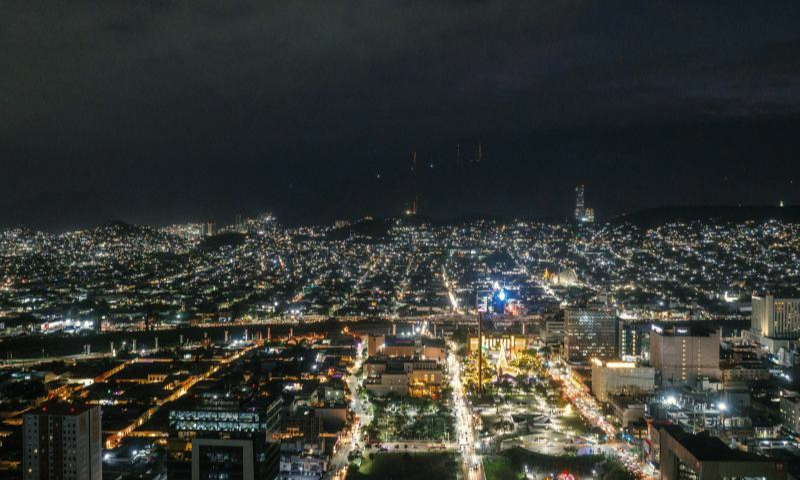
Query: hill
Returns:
{"type": "Point", "coordinates": [720, 213]}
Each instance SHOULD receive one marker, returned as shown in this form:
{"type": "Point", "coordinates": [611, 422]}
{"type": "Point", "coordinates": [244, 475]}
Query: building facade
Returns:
{"type": "Point", "coordinates": [590, 333]}
{"type": "Point", "coordinates": [634, 338]}
{"type": "Point", "coordinates": [682, 354]}
{"type": "Point", "coordinates": [217, 437]}
{"type": "Point", "coordinates": [62, 442]}
{"type": "Point", "coordinates": [511, 343]}
{"type": "Point", "coordinates": [615, 378]}
{"type": "Point", "coordinates": [775, 321]}
{"type": "Point", "coordinates": [790, 411]}
{"type": "Point", "coordinates": [404, 377]}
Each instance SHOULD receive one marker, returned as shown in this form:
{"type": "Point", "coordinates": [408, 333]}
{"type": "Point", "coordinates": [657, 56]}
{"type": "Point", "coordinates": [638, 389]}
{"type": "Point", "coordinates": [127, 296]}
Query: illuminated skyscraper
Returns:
{"type": "Point", "coordinates": [776, 317]}
{"type": "Point", "coordinates": [580, 206]}
{"type": "Point", "coordinates": [590, 333]}
{"type": "Point", "coordinates": [775, 322]}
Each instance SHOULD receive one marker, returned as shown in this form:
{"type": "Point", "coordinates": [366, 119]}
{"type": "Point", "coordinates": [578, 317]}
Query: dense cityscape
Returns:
{"type": "Point", "coordinates": [403, 347]}
{"type": "Point", "coordinates": [399, 240]}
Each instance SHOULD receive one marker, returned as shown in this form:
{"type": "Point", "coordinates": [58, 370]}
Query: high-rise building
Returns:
{"type": "Point", "coordinates": [682, 354]}
{"type": "Point", "coordinates": [590, 333]}
{"type": "Point", "coordinates": [776, 318]}
{"type": "Point", "coordinates": [226, 433]}
{"type": "Point", "coordinates": [583, 213]}
{"type": "Point", "coordinates": [580, 206]}
{"type": "Point", "coordinates": [634, 338]}
{"type": "Point", "coordinates": [62, 442]}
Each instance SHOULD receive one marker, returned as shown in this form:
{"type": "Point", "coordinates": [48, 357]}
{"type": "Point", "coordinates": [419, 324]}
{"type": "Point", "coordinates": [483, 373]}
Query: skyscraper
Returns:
{"type": "Point", "coordinates": [227, 432]}
{"type": "Point", "coordinates": [580, 206]}
{"type": "Point", "coordinates": [590, 333]}
{"type": "Point", "coordinates": [775, 318]}
{"type": "Point", "coordinates": [62, 442]}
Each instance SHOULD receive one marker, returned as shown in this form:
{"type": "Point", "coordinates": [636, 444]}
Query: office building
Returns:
{"type": "Point", "coordinates": [590, 333]}
{"type": "Point", "coordinates": [702, 457]}
{"type": "Point", "coordinates": [620, 378]}
{"type": "Point", "coordinates": [551, 331]}
{"type": "Point", "coordinates": [62, 442]}
{"type": "Point", "coordinates": [775, 322]}
{"type": "Point", "coordinates": [634, 338]}
{"type": "Point", "coordinates": [683, 354]}
{"type": "Point", "coordinates": [226, 433]}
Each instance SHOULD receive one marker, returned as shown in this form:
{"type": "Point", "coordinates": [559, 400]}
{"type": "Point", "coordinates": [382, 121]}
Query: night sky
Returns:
{"type": "Point", "coordinates": [159, 111]}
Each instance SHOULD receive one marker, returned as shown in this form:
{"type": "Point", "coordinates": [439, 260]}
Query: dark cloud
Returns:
{"type": "Point", "coordinates": [198, 108]}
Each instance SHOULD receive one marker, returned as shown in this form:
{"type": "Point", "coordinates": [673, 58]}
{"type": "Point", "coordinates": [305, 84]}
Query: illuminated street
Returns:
{"type": "Point", "coordinates": [465, 430]}
{"type": "Point", "coordinates": [579, 396]}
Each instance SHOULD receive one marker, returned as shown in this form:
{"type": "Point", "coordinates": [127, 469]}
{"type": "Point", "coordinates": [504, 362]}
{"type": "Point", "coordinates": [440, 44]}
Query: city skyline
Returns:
{"type": "Point", "coordinates": [311, 111]}
{"type": "Point", "coordinates": [399, 240]}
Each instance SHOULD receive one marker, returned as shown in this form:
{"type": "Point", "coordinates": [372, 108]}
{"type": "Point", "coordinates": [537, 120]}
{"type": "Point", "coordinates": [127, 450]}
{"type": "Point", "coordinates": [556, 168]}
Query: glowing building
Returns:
{"type": "Point", "coordinates": [580, 205]}
{"type": "Point", "coordinates": [590, 333]}
{"type": "Point", "coordinates": [226, 434]}
{"type": "Point", "coordinates": [615, 378]}
{"type": "Point", "coordinates": [775, 321]}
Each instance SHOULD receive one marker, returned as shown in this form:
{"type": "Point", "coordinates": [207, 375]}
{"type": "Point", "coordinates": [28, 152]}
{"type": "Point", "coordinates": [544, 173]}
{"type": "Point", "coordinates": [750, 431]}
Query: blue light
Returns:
{"type": "Point", "coordinates": [502, 295]}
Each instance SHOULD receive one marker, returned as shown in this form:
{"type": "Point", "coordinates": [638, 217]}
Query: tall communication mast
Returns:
{"type": "Point", "coordinates": [412, 210]}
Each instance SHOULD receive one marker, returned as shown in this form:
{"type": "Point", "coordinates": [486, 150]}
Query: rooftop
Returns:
{"type": "Point", "coordinates": [58, 408]}
{"type": "Point", "coordinates": [706, 448]}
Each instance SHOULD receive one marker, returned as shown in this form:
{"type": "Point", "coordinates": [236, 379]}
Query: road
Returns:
{"type": "Point", "coordinates": [339, 462]}
{"type": "Point", "coordinates": [465, 426]}
{"type": "Point", "coordinates": [578, 395]}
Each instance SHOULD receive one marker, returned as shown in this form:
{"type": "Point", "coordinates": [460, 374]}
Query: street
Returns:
{"type": "Point", "coordinates": [465, 432]}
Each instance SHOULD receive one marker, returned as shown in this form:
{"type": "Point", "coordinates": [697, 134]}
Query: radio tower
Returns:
{"type": "Point", "coordinates": [413, 207]}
